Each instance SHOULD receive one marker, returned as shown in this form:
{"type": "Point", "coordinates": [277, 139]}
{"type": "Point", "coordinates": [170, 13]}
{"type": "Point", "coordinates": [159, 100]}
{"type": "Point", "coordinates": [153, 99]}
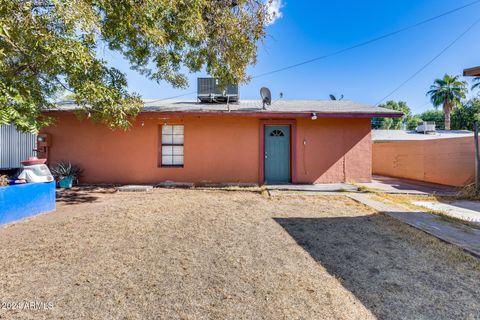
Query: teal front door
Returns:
{"type": "Point", "coordinates": [277, 154]}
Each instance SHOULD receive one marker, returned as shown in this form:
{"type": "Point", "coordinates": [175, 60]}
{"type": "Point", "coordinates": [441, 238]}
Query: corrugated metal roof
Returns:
{"type": "Point", "coordinates": [402, 135]}
{"type": "Point", "coordinates": [255, 106]}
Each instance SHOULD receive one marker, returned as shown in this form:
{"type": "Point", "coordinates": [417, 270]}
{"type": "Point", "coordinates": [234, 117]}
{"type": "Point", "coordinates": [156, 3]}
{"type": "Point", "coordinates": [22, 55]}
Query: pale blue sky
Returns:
{"type": "Point", "coordinates": [307, 29]}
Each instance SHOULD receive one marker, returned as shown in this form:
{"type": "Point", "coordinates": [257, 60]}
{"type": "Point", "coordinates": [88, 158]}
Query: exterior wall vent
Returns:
{"type": "Point", "coordinates": [208, 91]}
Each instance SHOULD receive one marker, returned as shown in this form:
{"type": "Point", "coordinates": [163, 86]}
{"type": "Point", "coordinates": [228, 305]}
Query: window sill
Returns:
{"type": "Point", "coordinates": [170, 166]}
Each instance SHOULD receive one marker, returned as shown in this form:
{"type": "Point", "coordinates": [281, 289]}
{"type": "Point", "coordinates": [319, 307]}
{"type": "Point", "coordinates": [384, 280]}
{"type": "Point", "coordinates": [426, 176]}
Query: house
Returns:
{"type": "Point", "coordinates": [472, 72]}
{"type": "Point", "coordinates": [443, 157]}
{"type": "Point", "coordinates": [221, 143]}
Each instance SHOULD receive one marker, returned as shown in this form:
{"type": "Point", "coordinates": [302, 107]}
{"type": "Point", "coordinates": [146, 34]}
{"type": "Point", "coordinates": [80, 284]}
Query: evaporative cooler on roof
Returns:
{"type": "Point", "coordinates": [209, 91]}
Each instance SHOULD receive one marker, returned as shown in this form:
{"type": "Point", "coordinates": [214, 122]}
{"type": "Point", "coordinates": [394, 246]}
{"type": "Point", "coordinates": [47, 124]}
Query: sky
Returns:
{"type": "Point", "coordinates": [307, 29]}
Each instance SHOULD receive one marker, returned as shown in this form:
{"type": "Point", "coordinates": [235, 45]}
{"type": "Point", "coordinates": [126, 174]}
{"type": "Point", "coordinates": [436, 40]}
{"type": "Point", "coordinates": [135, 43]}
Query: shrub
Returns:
{"type": "Point", "coordinates": [413, 122]}
{"type": "Point", "coordinates": [66, 169]}
{"type": "Point", "coordinates": [434, 115]}
{"type": "Point", "coordinates": [3, 180]}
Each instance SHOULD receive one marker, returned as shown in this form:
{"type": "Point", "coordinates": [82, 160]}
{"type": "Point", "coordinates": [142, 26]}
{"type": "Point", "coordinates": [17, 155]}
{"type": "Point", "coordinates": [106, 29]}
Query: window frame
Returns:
{"type": "Point", "coordinates": [161, 145]}
{"type": "Point", "coordinates": [277, 133]}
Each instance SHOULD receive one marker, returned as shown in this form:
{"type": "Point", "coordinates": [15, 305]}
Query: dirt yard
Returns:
{"type": "Point", "coordinates": [192, 254]}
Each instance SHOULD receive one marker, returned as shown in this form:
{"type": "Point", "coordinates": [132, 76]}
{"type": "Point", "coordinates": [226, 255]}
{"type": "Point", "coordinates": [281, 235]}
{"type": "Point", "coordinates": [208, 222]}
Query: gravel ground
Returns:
{"type": "Point", "coordinates": [191, 254]}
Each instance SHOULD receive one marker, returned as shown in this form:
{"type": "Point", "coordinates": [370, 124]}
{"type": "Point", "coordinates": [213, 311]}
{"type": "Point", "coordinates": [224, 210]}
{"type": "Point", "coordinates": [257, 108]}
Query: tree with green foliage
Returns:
{"type": "Point", "coordinates": [51, 46]}
{"type": "Point", "coordinates": [393, 123]}
{"type": "Point", "coordinates": [464, 118]}
{"type": "Point", "coordinates": [461, 118]}
{"type": "Point", "coordinates": [413, 122]}
{"type": "Point", "coordinates": [448, 92]}
{"type": "Point", "coordinates": [476, 83]}
{"type": "Point", "coordinates": [436, 116]}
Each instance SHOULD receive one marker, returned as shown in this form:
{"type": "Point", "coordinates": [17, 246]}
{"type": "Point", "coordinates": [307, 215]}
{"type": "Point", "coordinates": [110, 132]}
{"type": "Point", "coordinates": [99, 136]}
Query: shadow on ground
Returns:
{"type": "Point", "coordinates": [78, 195]}
{"type": "Point", "coordinates": [389, 268]}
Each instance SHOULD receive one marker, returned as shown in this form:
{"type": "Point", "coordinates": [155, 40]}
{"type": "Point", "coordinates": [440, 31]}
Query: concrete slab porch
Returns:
{"type": "Point", "coordinates": [324, 187]}
{"type": "Point", "coordinates": [379, 184]}
{"type": "Point", "coordinates": [404, 186]}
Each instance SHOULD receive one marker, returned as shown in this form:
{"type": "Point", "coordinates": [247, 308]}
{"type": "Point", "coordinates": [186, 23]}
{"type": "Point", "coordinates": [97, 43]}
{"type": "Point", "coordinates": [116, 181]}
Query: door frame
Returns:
{"type": "Point", "coordinates": [293, 146]}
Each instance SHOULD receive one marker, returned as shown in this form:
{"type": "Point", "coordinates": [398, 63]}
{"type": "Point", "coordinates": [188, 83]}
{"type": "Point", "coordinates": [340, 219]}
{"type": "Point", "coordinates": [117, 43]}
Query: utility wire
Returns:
{"type": "Point", "coordinates": [431, 61]}
{"type": "Point", "coordinates": [368, 41]}
{"type": "Point", "coordinates": [422, 106]}
{"type": "Point", "coordinates": [173, 97]}
{"type": "Point", "coordinates": [361, 44]}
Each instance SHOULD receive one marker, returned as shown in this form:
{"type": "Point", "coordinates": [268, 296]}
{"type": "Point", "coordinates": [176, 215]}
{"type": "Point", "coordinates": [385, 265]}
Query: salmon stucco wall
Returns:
{"type": "Point", "coordinates": [333, 150]}
{"type": "Point", "coordinates": [443, 161]}
{"type": "Point", "coordinates": [217, 149]}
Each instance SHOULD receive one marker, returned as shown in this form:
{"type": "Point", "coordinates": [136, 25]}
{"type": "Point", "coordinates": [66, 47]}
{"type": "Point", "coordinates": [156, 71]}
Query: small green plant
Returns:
{"type": "Point", "coordinates": [363, 189]}
{"type": "Point", "coordinates": [66, 169]}
{"type": "Point", "coordinates": [3, 180]}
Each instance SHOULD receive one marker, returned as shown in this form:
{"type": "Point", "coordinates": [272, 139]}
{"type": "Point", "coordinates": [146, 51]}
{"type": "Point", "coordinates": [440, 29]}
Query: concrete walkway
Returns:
{"type": "Point", "coordinates": [458, 209]}
{"type": "Point", "coordinates": [463, 236]}
{"type": "Point", "coordinates": [403, 186]}
{"type": "Point", "coordinates": [327, 187]}
{"type": "Point", "coordinates": [379, 184]}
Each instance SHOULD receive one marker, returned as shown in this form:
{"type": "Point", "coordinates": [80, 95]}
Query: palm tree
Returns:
{"type": "Point", "coordinates": [476, 83]}
{"type": "Point", "coordinates": [448, 92]}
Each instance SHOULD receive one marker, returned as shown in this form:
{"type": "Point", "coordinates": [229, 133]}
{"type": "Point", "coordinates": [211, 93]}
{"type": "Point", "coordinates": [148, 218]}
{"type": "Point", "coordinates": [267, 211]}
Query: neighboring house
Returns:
{"type": "Point", "coordinates": [15, 146]}
{"type": "Point", "coordinates": [215, 143]}
{"type": "Point", "coordinates": [472, 72]}
{"type": "Point", "coordinates": [443, 157]}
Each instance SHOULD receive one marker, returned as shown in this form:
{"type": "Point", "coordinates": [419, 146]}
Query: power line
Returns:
{"type": "Point", "coordinates": [173, 97]}
{"type": "Point", "coordinates": [431, 61]}
{"type": "Point", "coordinates": [367, 42]}
{"type": "Point", "coordinates": [351, 47]}
{"type": "Point", "coordinates": [423, 105]}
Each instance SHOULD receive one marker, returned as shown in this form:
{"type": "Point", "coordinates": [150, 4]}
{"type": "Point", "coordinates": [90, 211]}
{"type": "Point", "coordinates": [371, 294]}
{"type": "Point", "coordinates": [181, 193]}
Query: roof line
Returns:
{"type": "Point", "coordinates": [263, 114]}
{"type": "Point", "coordinates": [472, 72]}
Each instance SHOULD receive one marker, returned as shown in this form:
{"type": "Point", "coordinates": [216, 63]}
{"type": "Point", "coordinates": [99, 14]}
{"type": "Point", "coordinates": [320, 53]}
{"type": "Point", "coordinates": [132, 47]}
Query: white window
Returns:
{"type": "Point", "coordinates": [172, 146]}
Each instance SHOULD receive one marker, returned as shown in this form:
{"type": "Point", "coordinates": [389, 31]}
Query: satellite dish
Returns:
{"type": "Point", "coordinates": [333, 97]}
{"type": "Point", "coordinates": [266, 96]}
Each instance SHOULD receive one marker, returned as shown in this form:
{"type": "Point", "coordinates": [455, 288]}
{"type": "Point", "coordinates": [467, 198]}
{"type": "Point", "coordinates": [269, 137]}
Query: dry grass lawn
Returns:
{"type": "Point", "coordinates": [190, 254]}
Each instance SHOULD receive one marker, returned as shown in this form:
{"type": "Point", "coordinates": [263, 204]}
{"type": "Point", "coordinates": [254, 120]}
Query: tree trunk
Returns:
{"type": "Point", "coordinates": [447, 110]}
